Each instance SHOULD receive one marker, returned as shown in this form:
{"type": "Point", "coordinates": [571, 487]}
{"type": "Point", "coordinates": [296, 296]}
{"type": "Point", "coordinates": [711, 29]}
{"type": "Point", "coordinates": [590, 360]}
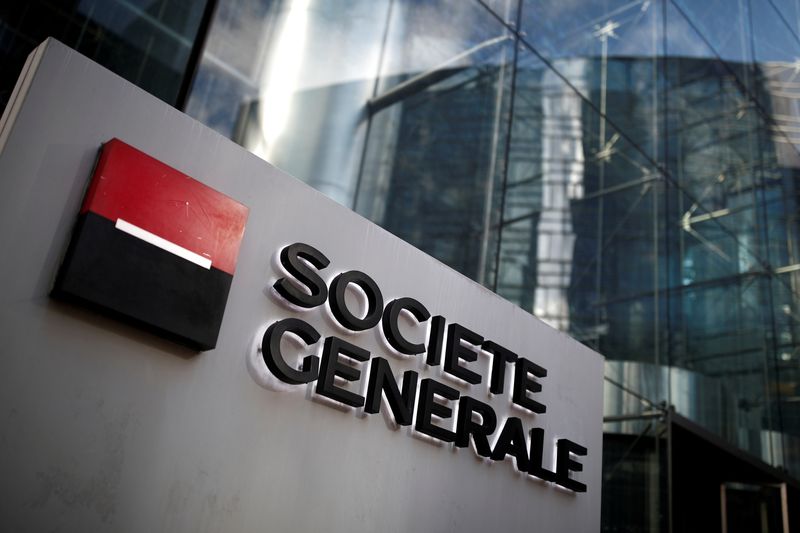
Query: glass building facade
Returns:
{"type": "Point", "coordinates": [627, 171]}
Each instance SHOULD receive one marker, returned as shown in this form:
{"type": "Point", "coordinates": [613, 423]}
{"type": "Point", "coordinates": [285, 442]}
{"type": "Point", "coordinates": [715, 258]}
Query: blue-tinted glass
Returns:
{"type": "Point", "coordinates": [790, 11]}
{"type": "Point", "coordinates": [581, 231]}
{"type": "Point", "coordinates": [785, 406]}
{"type": "Point", "coordinates": [290, 78]}
{"type": "Point", "coordinates": [583, 29]}
{"type": "Point", "coordinates": [607, 50]}
{"type": "Point", "coordinates": [716, 154]}
{"type": "Point", "coordinates": [774, 39]}
{"type": "Point", "coordinates": [148, 42]}
{"type": "Point", "coordinates": [710, 28]}
{"type": "Point", "coordinates": [505, 9]}
{"type": "Point", "coordinates": [434, 166]}
{"type": "Point", "coordinates": [636, 187]}
{"type": "Point", "coordinates": [713, 157]}
{"type": "Point", "coordinates": [718, 28]}
{"type": "Point", "coordinates": [777, 55]}
{"type": "Point", "coordinates": [634, 479]}
{"type": "Point", "coordinates": [426, 37]}
{"type": "Point", "coordinates": [723, 329]}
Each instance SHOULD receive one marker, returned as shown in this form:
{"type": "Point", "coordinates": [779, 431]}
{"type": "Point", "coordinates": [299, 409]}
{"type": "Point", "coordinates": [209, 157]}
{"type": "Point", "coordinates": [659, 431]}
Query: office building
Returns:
{"type": "Point", "coordinates": [627, 171]}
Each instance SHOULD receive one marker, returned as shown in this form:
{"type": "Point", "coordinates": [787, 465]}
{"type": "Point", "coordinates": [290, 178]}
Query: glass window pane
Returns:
{"type": "Point", "coordinates": [433, 167]}
{"type": "Point", "coordinates": [711, 28]}
{"type": "Point", "coordinates": [432, 38]}
{"type": "Point", "coordinates": [505, 9]}
{"type": "Point", "coordinates": [790, 11]}
{"type": "Point", "coordinates": [607, 50]}
{"type": "Point", "coordinates": [773, 38]}
{"type": "Point", "coordinates": [148, 42]}
{"type": "Point", "coordinates": [289, 78]}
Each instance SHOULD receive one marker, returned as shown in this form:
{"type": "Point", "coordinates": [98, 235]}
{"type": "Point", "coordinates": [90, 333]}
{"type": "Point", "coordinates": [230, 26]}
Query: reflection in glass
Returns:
{"type": "Point", "coordinates": [300, 89]}
{"type": "Point", "coordinates": [434, 160]}
{"type": "Point", "coordinates": [625, 170]}
{"type": "Point", "coordinates": [147, 42]}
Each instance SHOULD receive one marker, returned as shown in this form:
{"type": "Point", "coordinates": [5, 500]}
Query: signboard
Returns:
{"type": "Point", "coordinates": [154, 246]}
{"type": "Point", "coordinates": [355, 383]}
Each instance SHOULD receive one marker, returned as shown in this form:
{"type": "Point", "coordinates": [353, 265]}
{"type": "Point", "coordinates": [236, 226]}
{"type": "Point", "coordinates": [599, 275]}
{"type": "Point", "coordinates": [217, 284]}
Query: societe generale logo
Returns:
{"type": "Point", "coordinates": [153, 246]}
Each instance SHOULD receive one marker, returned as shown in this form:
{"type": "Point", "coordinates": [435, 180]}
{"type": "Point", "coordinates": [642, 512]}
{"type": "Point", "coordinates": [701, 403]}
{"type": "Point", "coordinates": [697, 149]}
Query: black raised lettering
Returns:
{"type": "Point", "coordinates": [523, 384]}
{"type": "Point", "coordinates": [291, 258]}
{"type": "Point", "coordinates": [535, 467]}
{"type": "Point", "coordinates": [455, 352]}
{"type": "Point", "coordinates": [512, 442]}
{"type": "Point", "coordinates": [500, 356]}
{"type": "Point", "coordinates": [435, 341]}
{"type": "Point", "coordinates": [391, 328]}
{"type": "Point", "coordinates": [339, 305]}
{"type": "Point", "coordinates": [380, 381]}
{"type": "Point", "coordinates": [565, 464]}
{"type": "Point", "coordinates": [480, 432]}
{"type": "Point", "coordinates": [332, 367]}
{"type": "Point", "coordinates": [426, 407]}
{"type": "Point", "coordinates": [271, 351]}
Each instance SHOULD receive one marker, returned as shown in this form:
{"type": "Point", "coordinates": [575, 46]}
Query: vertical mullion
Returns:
{"type": "Point", "coordinates": [195, 55]}
{"type": "Point", "coordinates": [507, 149]}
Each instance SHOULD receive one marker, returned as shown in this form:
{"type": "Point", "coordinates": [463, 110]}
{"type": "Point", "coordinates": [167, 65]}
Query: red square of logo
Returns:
{"type": "Point", "coordinates": [155, 246]}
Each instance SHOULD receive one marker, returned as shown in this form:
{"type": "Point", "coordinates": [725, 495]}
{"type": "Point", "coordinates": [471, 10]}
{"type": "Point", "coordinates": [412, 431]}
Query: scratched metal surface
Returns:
{"type": "Point", "coordinates": [107, 428]}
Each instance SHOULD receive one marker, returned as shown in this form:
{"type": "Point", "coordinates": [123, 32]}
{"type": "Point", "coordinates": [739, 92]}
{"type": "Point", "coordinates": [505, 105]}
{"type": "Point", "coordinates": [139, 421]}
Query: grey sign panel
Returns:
{"type": "Point", "coordinates": [106, 427]}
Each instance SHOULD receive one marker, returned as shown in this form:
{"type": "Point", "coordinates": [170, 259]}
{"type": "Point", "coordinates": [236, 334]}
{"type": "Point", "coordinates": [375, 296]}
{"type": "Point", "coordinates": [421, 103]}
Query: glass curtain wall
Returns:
{"type": "Point", "coordinates": [147, 42]}
{"type": "Point", "coordinates": [625, 170]}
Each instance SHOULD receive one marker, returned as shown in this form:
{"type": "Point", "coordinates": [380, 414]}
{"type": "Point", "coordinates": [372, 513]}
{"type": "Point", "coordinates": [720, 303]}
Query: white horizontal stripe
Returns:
{"type": "Point", "coordinates": [164, 244]}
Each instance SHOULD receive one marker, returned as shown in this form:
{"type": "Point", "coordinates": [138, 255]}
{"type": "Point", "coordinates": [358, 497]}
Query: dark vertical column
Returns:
{"type": "Point", "coordinates": [667, 330]}
{"type": "Point", "coordinates": [196, 55]}
{"type": "Point", "coordinates": [375, 87]}
{"type": "Point", "coordinates": [507, 149]}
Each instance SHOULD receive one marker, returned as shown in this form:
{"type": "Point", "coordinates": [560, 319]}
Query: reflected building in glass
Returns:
{"type": "Point", "coordinates": [627, 171]}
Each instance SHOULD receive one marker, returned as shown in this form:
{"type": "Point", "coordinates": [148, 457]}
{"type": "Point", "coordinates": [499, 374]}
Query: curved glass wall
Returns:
{"type": "Point", "coordinates": [148, 42]}
{"type": "Point", "coordinates": [626, 170]}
